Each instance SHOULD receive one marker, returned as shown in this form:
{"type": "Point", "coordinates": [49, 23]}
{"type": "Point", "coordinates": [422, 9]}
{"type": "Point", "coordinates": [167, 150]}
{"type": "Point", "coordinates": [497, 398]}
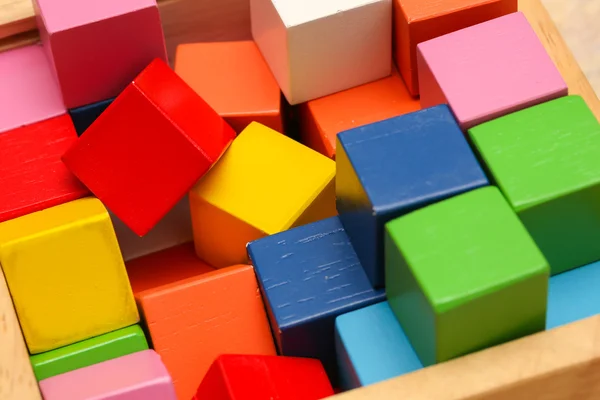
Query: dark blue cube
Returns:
{"type": "Point", "coordinates": [308, 276]}
{"type": "Point", "coordinates": [84, 116]}
{"type": "Point", "coordinates": [389, 168]}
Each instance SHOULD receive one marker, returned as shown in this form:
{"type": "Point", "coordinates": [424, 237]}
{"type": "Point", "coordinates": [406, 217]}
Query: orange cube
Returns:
{"type": "Point", "coordinates": [234, 79]}
{"type": "Point", "coordinates": [322, 119]}
{"type": "Point", "coordinates": [193, 321]}
{"type": "Point", "coordinates": [417, 21]}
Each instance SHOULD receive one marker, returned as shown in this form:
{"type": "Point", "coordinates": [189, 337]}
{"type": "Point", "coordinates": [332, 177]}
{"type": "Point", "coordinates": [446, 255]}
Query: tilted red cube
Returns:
{"type": "Point", "coordinates": [149, 147]}
{"type": "Point", "coordinates": [255, 377]}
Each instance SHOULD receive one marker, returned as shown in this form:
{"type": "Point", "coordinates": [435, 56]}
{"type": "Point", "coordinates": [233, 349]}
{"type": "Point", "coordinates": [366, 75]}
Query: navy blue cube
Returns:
{"type": "Point", "coordinates": [84, 116]}
{"type": "Point", "coordinates": [308, 276]}
{"type": "Point", "coordinates": [389, 168]}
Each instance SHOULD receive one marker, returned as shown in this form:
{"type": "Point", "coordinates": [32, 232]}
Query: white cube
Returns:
{"type": "Point", "coordinates": [319, 47]}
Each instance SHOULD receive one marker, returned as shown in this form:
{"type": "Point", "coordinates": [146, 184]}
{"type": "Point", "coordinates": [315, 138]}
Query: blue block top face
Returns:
{"type": "Point", "coordinates": [375, 344]}
{"type": "Point", "coordinates": [310, 272]}
{"type": "Point", "coordinates": [573, 295]}
{"type": "Point", "coordinates": [412, 160]}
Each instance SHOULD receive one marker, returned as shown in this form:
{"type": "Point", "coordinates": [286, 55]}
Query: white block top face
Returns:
{"type": "Point", "coordinates": [60, 15]}
{"type": "Point", "coordinates": [297, 12]}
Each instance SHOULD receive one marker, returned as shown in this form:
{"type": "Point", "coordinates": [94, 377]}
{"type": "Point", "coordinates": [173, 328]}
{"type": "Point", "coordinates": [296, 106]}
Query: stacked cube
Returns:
{"type": "Point", "coordinates": [282, 216]}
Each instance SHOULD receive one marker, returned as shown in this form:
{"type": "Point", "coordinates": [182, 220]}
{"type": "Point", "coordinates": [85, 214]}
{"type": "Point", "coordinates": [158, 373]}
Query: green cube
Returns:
{"type": "Point", "coordinates": [463, 275]}
{"type": "Point", "coordinates": [546, 161]}
{"type": "Point", "coordinates": [88, 352]}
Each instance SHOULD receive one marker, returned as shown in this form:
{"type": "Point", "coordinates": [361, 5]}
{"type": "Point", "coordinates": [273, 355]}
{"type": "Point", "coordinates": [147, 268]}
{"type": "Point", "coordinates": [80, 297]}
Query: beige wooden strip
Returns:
{"type": "Point", "coordinates": [559, 364]}
{"type": "Point", "coordinates": [16, 16]}
{"type": "Point", "coordinates": [17, 381]}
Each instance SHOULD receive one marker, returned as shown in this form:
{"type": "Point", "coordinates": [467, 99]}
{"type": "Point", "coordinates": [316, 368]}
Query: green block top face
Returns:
{"type": "Point", "coordinates": [89, 352]}
{"type": "Point", "coordinates": [466, 247]}
{"type": "Point", "coordinates": [542, 152]}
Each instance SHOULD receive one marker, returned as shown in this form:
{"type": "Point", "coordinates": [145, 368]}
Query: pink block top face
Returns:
{"type": "Point", "coordinates": [488, 70]}
{"type": "Point", "coordinates": [29, 93]}
{"type": "Point", "coordinates": [137, 376]}
{"type": "Point", "coordinates": [59, 15]}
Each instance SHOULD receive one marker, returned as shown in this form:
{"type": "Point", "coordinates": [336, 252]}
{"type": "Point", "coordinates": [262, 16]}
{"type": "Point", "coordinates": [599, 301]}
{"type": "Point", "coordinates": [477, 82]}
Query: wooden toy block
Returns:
{"type": "Point", "coordinates": [17, 381]}
{"type": "Point", "coordinates": [251, 377]}
{"type": "Point", "coordinates": [316, 48]}
{"type": "Point", "coordinates": [65, 274]}
{"type": "Point", "coordinates": [488, 70]}
{"type": "Point", "coordinates": [164, 267]}
{"type": "Point", "coordinates": [557, 364]}
{"type": "Point", "coordinates": [392, 167]}
{"type": "Point", "coordinates": [308, 276]}
{"type": "Point", "coordinates": [89, 352]}
{"type": "Point", "coordinates": [416, 21]}
{"type": "Point", "coordinates": [192, 322]}
{"type": "Point", "coordinates": [145, 152]}
{"type": "Point", "coordinates": [234, 79]}
{"type": "Point", "coordinates": [84, 116]}
{"type": "Point", "coordinates": [32, 175]}
{"type": "Point", "coordinates": [463, 275]}
{"type": "Point", "coordinates": [323, 118]}
{"type": "Point", "coordinates": [544, 159]}
{"type": "Point", "coordinates": [29, 92]}
{"type": "Point", "coordinates": [264, 184]}
{"type": "Point", "coordinates": [371, 347]}
{"type": "Point", "coordinates": [573, 295]}
{"type": "Point", "coordinates": [140, 375]}
{"type": "Point", "coordinates": [173, 229]}
{"type": "Point", "coordinates": [96, 50]}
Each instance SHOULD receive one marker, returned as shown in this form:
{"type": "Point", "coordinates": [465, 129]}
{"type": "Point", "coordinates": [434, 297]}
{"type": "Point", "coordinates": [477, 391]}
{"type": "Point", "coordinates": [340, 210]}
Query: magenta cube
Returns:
{"type": "Point", "coordinates": [488, 70]}
{"type": "Point", "coordinates": [28, 91]}
{"type": "Point", "coordinates": [98, 47]}
{"type": "Point", "coordinates": [137, 376]}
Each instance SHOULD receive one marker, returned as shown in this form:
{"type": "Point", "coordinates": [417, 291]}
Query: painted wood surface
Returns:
{"type": "Point", "coordinates": [157, 155]}
{"type": "Point", "coordinates": [66, 274]}
{"type": "Point", "coordinates": [265, 183]}
{"type": "Point", "coordinates": [234, 79]}
{"type": "Point", "coordinates": [29, 91]}
{"type": "Point", "coordinates": [354, 44]}
{"type": "Point", "coordinates": [254, 377]}
{"type": "Point", "coordinates": [140, 375]}
{"type": "Point", "coordinates": [193, 321]}
{"type": "Point", "coordinates": [392, 167]}
{"type": "Point", "coordinates": [17, 381]}
{"type": "Point", "coordinates": [97, 49]}
{"type": "Point", "coordinates": [488, 70]}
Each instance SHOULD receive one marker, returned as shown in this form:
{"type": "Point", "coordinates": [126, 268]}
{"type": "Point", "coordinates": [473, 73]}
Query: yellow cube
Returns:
{"type": "Point", "coordinates": [66, 274]}
{"type": "Point", "coordinates": [265, 183]}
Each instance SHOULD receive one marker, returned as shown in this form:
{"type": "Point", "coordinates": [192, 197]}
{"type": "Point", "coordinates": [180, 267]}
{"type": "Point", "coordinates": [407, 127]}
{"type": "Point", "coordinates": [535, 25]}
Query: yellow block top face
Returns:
{"type": "Point", "coordinates": [266, 179]}
{"type": "Point", "coordinates": [66, 274]}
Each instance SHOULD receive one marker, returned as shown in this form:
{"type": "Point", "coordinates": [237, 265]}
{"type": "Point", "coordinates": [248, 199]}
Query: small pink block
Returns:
{"type": "Point", "coordinates": [488, 70]}
{"type": "Point", "coordinates": [137, 376]}
{"type": "Point", "coordinates": [28, 91]}
{"type": "Point", "coordinates": [98, 47]}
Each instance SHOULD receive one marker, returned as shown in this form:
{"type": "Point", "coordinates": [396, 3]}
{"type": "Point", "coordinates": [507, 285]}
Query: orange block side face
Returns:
{"type": "Point", "coordinates": [192, 322]}
{"type": "Point", "coordinates": [324, 118]}
{"type": "Point", "coordinates": [165, 267]}
{"type": "Point", "coordinates": [417, 21]}
{"type": "Point", "coordinates": [234, 79]}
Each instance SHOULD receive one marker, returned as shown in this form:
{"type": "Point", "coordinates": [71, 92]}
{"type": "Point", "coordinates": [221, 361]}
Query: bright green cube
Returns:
{"type": "Point", "coordinates": [463, 274]}
{"type": "Point", "coordinates": [88, 352]}
{"type": "Point", "coordinates": [546, 161]}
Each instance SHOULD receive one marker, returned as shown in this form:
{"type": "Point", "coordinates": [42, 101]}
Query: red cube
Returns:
{"type": "Point", "coordinates": [149, 147]}
{"type": "Point", "coordinates": [254, 377]}
{"type": "Point", "coordinates": [32, 176]}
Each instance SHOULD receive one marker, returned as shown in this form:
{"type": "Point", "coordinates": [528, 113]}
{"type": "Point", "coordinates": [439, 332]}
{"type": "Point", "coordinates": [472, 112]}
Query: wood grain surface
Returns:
{"type": "Point", "coordinates": [17, 381]}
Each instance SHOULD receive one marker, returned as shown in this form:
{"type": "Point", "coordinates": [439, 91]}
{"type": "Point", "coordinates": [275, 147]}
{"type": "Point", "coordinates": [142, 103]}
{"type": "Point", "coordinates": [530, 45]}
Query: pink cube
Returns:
{"type": "Point", "coordinates": [28, 91]}
{"type": "Point", "coordinates": [98, 47]}
{"type": "Point", "coordinates": [137, 376]}
{"type": "Point", "coordinates": [488, 70]}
